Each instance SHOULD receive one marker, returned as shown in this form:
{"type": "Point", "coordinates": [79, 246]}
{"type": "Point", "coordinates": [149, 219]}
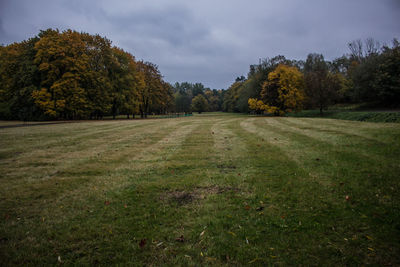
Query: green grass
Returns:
{"type": "Point", "coordinates": [212, 189]}
{"type": "Point", "coordinates": [368, 116]}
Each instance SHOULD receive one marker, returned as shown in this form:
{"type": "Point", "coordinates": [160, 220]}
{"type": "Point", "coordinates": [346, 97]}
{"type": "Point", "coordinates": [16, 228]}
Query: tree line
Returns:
{"type": "Point", "coordinates": [73, 75]}
{"type": "Point", "coordinates": [195, 97]}
{"type": "Point", "coordinates": [370, 73]}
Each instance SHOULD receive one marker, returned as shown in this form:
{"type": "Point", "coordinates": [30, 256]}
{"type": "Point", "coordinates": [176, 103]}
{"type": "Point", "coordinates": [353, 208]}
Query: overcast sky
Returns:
{"type": "Point", "coordinates": [209, 41]}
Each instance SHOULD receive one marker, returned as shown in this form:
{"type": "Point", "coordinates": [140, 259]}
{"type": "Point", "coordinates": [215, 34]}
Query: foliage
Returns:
{"type": "Point", "coordinates": [370, 73]}
{"type": "Point", "coordinates": [72, 75]}
{"type": "Point", "coordinates": [322, 86]}
{"type": "Point", "coordinates": [199, 104]}
{"type": "Point", "coordinates": [284, 90]}
{"type": "Point", "coordinates": [185, 92]}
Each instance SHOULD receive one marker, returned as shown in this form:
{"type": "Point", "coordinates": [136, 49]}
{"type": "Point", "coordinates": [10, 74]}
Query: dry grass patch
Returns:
{"type": "Point", "coordinates": [198, 193]}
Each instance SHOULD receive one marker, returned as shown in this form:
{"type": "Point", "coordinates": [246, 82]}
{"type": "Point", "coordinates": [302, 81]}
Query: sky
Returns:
{"type": "Point", "coordinates": [209, 41]}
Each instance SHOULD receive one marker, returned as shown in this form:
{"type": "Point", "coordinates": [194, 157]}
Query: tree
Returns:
{"type": "Point", "coordinates": [284, 90]}
{"type": "Point", "coordinates": [321, 86]}
{"type": "Point", "coordinates": [388, 75]}
{"type": "Point", "coordinates": [74, 75]}
{"type": "Point", "coordinates": [19, 77]}
{"type": "Point", "coordinates": [125, 83]}
{"type": "Point", "coordinates": [151, 86]}
{"type": "Point", "coordinates": [199, 103]}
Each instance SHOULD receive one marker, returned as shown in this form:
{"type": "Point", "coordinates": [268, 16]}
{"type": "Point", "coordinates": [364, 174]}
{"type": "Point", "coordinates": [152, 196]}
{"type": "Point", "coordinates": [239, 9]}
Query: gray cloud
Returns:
{"type": "Point", "coordinates": [209, 41]}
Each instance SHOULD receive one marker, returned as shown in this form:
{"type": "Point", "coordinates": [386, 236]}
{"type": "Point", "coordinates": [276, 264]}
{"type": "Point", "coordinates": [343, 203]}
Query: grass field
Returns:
{"type": "Point", "coordinates": [212, 189]}
{"type": "Point", "coordinates": [353, 115]}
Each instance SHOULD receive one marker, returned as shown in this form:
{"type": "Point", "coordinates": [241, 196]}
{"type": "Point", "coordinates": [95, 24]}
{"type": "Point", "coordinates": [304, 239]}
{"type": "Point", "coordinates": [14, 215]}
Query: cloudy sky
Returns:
{"type": "Point", "coordinates": [209, 41]}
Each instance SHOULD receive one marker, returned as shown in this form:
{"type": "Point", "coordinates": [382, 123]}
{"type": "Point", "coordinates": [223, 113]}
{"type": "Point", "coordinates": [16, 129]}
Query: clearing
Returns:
{"type": "Point", "coordinates": [212, 189]}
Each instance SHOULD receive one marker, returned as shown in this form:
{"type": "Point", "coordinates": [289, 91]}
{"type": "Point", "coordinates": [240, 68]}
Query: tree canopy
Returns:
{"type": "Point", "coordinates": [72, 75]}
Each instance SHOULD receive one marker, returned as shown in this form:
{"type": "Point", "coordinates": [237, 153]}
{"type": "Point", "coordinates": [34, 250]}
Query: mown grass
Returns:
{"type": "Point", "coordinates": [368, 116]}
{"type": "Point", "coordinates": [212, 189]}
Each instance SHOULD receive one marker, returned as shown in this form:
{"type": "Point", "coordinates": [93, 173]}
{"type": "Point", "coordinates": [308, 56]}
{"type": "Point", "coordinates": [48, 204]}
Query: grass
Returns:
{"type": "Point", "coordinates": [368, 116]}
{"type": "Point", "coordinates": [212, 189]}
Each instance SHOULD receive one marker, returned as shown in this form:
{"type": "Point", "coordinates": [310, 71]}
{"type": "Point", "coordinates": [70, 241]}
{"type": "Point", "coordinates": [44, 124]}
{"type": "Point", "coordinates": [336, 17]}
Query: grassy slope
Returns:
{"type": "Point", "coordinates": [209, 189]}
{"type": "Point", "coordinates": [369, 116]}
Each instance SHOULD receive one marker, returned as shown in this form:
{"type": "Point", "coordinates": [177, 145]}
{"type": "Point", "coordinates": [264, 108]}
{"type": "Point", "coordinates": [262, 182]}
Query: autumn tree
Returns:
{"type": "Point", "coordinates": [199, 104]}
{"type": "Point", "coordinates": [72, 75]}
{"type": "Point", "coordinates": [125, 82]}
{"type": "Point", "coordinates": [284, 90]}
{"type": "Point", "coordinates": [321, 85]}
{"type": "Point", "coordinates": [153, 89]}
{"type": "Point", "coordinates": [19, 77]}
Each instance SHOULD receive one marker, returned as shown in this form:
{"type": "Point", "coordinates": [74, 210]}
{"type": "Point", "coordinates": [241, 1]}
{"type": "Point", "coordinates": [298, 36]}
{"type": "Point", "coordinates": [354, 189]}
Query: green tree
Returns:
{"type": "Point", "coordinates": [199, 104]}
{"type": "Point", "coordinates": [321, 86]}
{"type": "Point", "coordinates": [19, 78]}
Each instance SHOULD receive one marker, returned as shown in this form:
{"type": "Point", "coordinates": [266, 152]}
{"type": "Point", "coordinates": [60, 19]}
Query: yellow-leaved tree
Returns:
{"type": "Point", "coordinates": [283, 91]}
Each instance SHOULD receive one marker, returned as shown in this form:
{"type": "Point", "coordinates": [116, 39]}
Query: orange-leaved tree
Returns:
{"type": "Point", "coordinates": [283, 91]}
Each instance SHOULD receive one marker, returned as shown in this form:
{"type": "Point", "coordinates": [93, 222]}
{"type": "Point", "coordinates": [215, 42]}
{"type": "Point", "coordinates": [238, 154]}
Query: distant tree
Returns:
{"type": "Point", "coordinates": [152, 89]}
{"type": "Point", "coordinates": [240, 79]}
{"type": "Point", "coordinates": [388, 75]}
{"type": "Point", "coordinates": [321, 86]}
{"type": "Point", "coordinates": [197, 88]}
{"type": "Point", "coordinates": [62, 61]}
{"type": "Point", "coordinates": [19, 78]}
{"type": "Point", "coordinates": [199, 104]}
{"type": "Point", "coordinates": [284, 90]}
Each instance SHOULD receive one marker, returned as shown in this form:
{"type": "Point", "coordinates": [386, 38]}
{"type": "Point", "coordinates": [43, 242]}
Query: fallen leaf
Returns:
{"type": "Point", "coordinates": [371, 249]}
{"type": "Point", "coordinates": [247, 207]}
{"type": "Point", "coordinates": [125, 206]}
{"type": "Point", "coordinates": [142, 243]}
{"type": "Point", "coordinates": [254, 260]}
{"type": "Point", "coordinates": [202, 233]}
{"type": "Point", "coordinates": [106, 202]}
{"type": "Point", "coordinates": [232, 233]}
{"type": "Point", "coordinates": [180, 239]}
{"type": "Point", "coordinates": [368, 237]}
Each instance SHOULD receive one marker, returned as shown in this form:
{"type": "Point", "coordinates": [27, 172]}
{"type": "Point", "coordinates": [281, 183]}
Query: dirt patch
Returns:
{"type": "Point", "coordinates": [198, 193]}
